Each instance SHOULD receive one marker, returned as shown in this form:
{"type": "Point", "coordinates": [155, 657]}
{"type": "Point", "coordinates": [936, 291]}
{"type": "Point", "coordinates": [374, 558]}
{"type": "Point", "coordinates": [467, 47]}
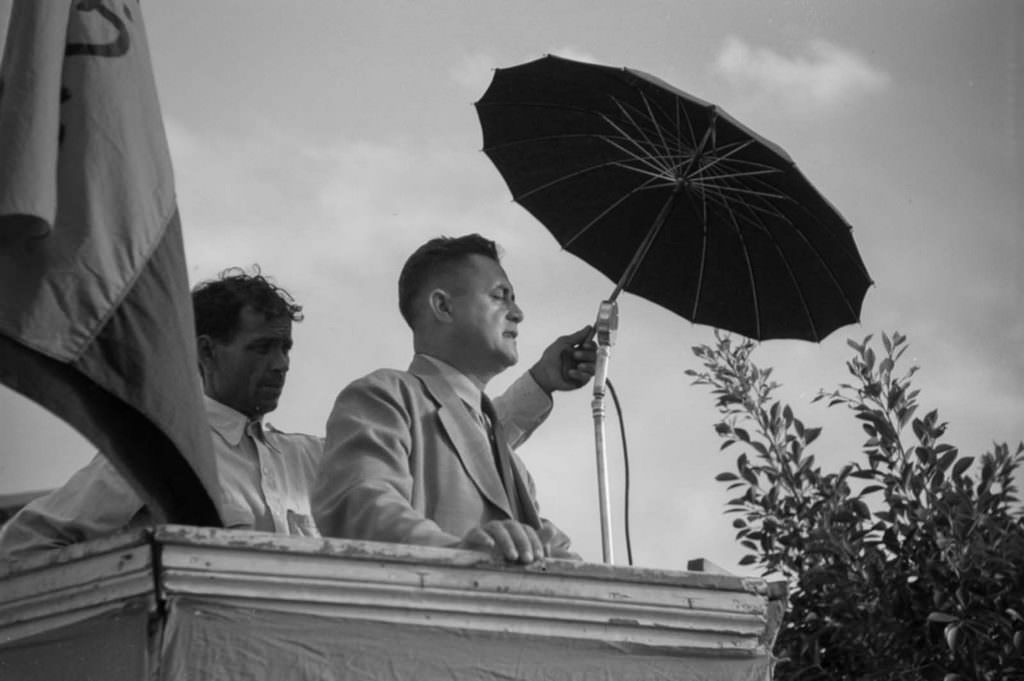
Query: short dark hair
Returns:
{"type": "Point", "coordinates": [433, 257]}
{"type": "Point", "coordinates": [217, 303]}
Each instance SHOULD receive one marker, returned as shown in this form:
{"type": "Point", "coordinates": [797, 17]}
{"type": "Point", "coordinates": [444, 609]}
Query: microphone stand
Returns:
{"type": "Point", "coordinates": [605, 329]}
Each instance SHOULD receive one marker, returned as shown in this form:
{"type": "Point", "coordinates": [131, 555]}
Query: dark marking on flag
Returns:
{"type": "Point", "coordinates": [115, 48]}
{"type": "Point", "coordinates": [65, 95]}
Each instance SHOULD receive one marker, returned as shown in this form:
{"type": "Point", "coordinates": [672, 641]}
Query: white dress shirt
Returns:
{"type": "Point", "coordinates": [264, 477]}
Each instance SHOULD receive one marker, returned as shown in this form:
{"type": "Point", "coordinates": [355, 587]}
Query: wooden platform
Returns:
{"type": "Point", "coordinates": [205, 595]}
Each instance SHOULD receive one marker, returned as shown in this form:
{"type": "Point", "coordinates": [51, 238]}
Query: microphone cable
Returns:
{"type": "Point", "coordinates": [625, 461]}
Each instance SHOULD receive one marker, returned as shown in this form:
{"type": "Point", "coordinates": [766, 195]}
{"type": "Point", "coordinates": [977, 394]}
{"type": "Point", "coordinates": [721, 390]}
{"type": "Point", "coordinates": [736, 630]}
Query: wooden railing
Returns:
{"type": "Point", "coordinates": [214, 603]}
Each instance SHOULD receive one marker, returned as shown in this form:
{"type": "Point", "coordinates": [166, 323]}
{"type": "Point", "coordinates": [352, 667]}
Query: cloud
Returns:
{"type": "Point", "coordinates": [823, 78]}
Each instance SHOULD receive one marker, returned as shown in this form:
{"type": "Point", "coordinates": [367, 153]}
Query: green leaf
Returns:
{"type": "Point", "coordinates": [952, 636]}
{"type": "Point", "coordinates": [947, 459]}
{"type": "Point", "coordinates": [962, 465]}
{"type": "Point", "coordinates": [843, 516]}
{"type": "Point", "coordinates": [760, 448]}
{"type": "Point", "coordinates": [726, 477]}
{"type": "Point", "coordinates": [941, 617]}
{"type": "Point", "coordinates": [811, 434]}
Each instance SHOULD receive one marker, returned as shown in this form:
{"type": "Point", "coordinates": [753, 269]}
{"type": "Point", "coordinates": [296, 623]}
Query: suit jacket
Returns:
{"type": "Point", "coordinates": [405, 461]}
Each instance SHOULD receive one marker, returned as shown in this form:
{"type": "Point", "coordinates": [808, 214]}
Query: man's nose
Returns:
{"type": "Point", "coordinates": [515, 313]}
{"type": "Point", "coordinates": [279, 360]}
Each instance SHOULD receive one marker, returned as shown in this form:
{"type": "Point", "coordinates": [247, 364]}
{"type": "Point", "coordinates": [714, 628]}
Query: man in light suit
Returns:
{"type": "Point", "coordinates": [422, 456]}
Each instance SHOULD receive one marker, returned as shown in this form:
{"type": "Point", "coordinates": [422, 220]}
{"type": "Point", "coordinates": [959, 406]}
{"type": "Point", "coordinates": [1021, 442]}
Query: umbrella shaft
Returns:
{"type": "Point", "coordinates": [645, 245]}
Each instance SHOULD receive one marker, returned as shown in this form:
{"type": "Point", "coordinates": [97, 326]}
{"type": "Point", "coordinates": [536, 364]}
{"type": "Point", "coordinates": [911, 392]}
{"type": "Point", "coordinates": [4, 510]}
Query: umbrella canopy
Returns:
{"type": "Point", "coordinates": [673, 199]}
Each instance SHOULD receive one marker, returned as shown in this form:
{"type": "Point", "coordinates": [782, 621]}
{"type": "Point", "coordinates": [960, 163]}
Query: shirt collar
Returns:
{"type": "Point", "coordinates": [228, 423]}
{"type": "Point", "coordinates": [461, 384]}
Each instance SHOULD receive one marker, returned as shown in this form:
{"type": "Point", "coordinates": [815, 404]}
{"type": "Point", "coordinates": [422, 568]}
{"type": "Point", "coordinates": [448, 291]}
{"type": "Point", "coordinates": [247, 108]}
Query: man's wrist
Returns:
{"type": "Point", "coordinates": [535, 374]}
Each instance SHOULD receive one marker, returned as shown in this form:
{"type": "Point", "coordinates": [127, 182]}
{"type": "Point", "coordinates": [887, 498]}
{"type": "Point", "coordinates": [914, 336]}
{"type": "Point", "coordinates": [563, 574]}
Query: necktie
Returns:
{"type": "Point", "coordinates": [518, 496]}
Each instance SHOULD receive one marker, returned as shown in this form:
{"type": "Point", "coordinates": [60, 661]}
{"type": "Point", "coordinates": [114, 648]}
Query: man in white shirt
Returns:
{"type": "Point", "coordinates": [244, 337]}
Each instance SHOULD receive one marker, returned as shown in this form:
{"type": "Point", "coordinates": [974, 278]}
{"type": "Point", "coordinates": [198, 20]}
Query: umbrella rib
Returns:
{"type": "Point", "coordinates": [548, 138]}
{"type": "Point", "coordinates": [646, 113]}
{"type": "Point", "coordinates": [689, 124]}
{"type": "Point", "coordinates": [647, 156]}
{"type": "Point", "coordinates": [610, 208]}
{"type": "Point", "coordinates": [793, 278]}
{"type": "Point", "coordinates": [658, 128]}
{"type": "Point", "coordinates": [731, 171]}
{"type": "Point", "coordinates": [719, 158]}
{"type": "Point", "coordinates": [718, 195]}
{"type": "Point", "coordinates": [648, 160]}
{"type": "Point", "coordinates": [662, 130]}
{"type": "Point", "coordinates": [565, 178]}
{"type": "Point", "coordinates": [737, 191]}
{"type": "Point", "coordinates": [699, 150]}
{"type": "Point", "coordinates": [736, 167]}
{"type": "Point", "coordinates": [750, 271]}
{"type": "Point", "coordinates": [604, 117]}
{"type": "Point", "coordinates": [792, 275]}
{"type": "Point", "coordinates": [731, 176]}
{"type": "Point", "coordinates": [752, 218]}
{"type": "Point", "coordinates": [645, 245]}
{"type": "Point", "coordinates": [703, 254]}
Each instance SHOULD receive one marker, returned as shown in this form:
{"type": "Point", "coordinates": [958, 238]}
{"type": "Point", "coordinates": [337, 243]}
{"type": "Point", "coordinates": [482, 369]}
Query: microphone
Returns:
{"type": "Point", "coordinates": [606, 327]}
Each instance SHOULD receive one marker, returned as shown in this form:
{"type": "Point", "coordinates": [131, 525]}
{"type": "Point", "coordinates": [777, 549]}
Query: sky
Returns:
{"type": "Point", "coordinates": [325, 141]}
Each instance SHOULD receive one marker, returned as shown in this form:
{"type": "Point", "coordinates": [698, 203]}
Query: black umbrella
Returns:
{"type": "Point", "coordinates": [672, 199]}
{"type": "Point", "coordinates": [675, 201]}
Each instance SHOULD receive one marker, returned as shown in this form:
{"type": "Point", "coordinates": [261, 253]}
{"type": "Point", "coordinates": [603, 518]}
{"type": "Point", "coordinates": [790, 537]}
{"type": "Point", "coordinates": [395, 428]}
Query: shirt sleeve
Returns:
{"type": "Point", "coordinates": [522, 408]}
{"type": "Point", "coordinates": [96, 501]}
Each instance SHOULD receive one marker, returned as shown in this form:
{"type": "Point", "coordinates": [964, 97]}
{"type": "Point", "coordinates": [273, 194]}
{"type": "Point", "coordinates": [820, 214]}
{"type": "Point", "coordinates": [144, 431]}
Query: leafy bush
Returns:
{"type": "Point", "coordinates": [907, 563]}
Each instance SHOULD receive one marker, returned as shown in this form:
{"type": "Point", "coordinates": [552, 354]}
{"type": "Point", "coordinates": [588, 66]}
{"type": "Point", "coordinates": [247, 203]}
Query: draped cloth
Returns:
{"type": "Point", "coordinates": [95, 315]}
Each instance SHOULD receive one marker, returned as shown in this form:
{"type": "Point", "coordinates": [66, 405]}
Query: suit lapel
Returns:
{"type": "Point", "coordinates": [469, 442]}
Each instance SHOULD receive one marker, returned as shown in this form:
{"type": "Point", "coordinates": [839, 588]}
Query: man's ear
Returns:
{"type": "Point", "coordinates": [440, 304]}
{"type": "Point", "coordinates": [204, 348]}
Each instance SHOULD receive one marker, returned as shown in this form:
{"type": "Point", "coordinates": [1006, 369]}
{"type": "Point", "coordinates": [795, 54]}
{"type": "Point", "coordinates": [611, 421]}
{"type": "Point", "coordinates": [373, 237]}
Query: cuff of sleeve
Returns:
{"type": "Point", "coordinates": [528, 389]}
{"type": "Point", "coordinates": [529, 404]}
